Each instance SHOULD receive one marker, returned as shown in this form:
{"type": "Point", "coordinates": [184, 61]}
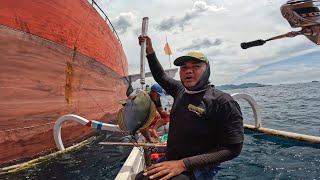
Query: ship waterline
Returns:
{"type": "Point", "coordinates": [50, 66]}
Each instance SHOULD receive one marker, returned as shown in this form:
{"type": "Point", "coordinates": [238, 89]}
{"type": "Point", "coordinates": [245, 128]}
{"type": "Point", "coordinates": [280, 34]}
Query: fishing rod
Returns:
{"type": "Point", "coordinates": [299, 13]}
{"type": "Point", "coordinates": [143, 51]}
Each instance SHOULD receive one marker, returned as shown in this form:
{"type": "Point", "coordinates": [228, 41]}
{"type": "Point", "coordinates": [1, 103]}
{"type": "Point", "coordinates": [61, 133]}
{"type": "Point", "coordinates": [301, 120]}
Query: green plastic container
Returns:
{"type": "Point", "coordinates": [163, 138]}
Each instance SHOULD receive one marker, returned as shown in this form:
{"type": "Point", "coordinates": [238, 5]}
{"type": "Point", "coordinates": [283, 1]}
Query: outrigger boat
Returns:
{"type": "Point", "coordinates": [141, 154]}
{"type": "Point", "coordinates": [139, 158]}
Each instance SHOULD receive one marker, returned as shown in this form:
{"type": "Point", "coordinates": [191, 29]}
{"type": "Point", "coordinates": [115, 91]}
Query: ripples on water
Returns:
{"type": "Point", "coordinates": [294, 107]}
{"type": "Point", "coordinates": [266, 157]}
{"type": "Point", "coordinates": [91, 161]}
{"type": "Point", "coordinates": [289, 107]}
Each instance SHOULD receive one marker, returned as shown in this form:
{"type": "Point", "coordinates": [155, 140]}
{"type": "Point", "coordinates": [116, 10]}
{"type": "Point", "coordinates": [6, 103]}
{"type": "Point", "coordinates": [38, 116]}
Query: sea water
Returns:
{"type": "Point", "coordinates": [288, 107]}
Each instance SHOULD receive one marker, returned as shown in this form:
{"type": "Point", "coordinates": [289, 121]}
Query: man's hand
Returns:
{"type": "Point", "coordinates": [149, 48]}
{"type": "Point", "coordinates": [166, 169]}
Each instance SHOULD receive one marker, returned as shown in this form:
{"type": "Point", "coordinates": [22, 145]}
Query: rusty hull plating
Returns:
{"type": "Point", "coordinates": [52, 55]}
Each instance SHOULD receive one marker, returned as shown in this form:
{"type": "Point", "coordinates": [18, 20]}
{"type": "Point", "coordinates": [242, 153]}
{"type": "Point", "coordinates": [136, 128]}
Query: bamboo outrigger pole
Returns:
{"type": "Point", "coordinates": [143, 51]}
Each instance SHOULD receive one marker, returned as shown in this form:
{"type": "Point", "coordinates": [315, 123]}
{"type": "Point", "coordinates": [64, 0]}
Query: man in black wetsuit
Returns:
{"type": "Point", "coordinates": [206, 125]}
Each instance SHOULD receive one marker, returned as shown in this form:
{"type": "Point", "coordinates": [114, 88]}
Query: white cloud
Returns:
{"type": "Point", "coordinates": [201, 6]}
{"type": "Point", "coordinates": [201, 43]}
{"type": "Point", "coordinates": [123, 22]}
{"type": "Point", "coordinates": [198, 9]}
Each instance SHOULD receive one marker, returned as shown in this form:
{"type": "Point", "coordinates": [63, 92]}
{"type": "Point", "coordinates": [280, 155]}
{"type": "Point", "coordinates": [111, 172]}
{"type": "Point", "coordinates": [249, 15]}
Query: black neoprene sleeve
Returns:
{"type": "Point", "coordinates": [213, 157]}
{"type": "Point", "coordinates": [169, 84]}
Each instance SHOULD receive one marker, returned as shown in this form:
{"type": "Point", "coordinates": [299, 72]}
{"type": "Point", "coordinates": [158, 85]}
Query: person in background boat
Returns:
{"type": "Point", "coordinates": [206, 125]}
{"type": "Point", "coordinates": [148, 88]}
{"type": "Point", "coordinates": [162, 116]}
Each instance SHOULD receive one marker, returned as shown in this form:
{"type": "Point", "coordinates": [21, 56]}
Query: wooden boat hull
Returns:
{"type": "Point", "coordinates": [53, 62]}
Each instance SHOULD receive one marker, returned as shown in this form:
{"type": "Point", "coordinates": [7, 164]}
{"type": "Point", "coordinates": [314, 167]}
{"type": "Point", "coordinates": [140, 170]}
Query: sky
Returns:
{"type": "Point", "coordinates": [216, 28]}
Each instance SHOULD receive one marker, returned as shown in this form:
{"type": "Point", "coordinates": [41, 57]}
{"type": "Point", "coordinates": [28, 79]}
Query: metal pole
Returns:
{"type": "Point", "coordinates": [143, 51]}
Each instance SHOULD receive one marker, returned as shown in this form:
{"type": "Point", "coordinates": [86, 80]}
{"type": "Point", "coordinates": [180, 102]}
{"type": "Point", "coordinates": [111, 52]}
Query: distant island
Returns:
{"type": "Point", "coordinates": [244, 85]}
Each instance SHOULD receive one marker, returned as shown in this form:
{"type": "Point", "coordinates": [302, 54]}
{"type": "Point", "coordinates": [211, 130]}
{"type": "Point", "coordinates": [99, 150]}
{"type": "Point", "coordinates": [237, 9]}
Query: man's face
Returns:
{"type": "Point", "coordinates": [154, 95]}
{"type": "Point", "coordinates": [191, 71]}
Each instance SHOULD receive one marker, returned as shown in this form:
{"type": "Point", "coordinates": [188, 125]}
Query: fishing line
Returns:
{"type": "Point", "coordinates": [132, 139]}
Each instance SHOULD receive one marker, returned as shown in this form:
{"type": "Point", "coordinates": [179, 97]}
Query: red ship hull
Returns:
{"type": "Point", "coordinates": [56, 57]}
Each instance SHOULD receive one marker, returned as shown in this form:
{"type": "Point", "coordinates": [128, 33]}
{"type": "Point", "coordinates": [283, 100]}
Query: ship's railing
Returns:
{"type": "Point", "coordinates": [107, 20]}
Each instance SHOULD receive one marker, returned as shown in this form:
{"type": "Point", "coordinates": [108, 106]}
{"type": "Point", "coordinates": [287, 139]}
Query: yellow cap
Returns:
{"type": "Point", "coordinates": [191, 55]}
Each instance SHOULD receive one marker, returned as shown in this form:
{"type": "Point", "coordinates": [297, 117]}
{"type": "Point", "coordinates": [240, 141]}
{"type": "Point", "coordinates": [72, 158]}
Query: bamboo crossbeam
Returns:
{"type": "Point", "coordinates": [143, 144]}
{"type": "Point", "coordinates": [285, 134]}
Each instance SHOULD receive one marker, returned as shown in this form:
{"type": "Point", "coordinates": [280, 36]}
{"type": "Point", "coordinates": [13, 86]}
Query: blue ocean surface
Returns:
{"type": "Point", "coordinates": [288, 107]}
